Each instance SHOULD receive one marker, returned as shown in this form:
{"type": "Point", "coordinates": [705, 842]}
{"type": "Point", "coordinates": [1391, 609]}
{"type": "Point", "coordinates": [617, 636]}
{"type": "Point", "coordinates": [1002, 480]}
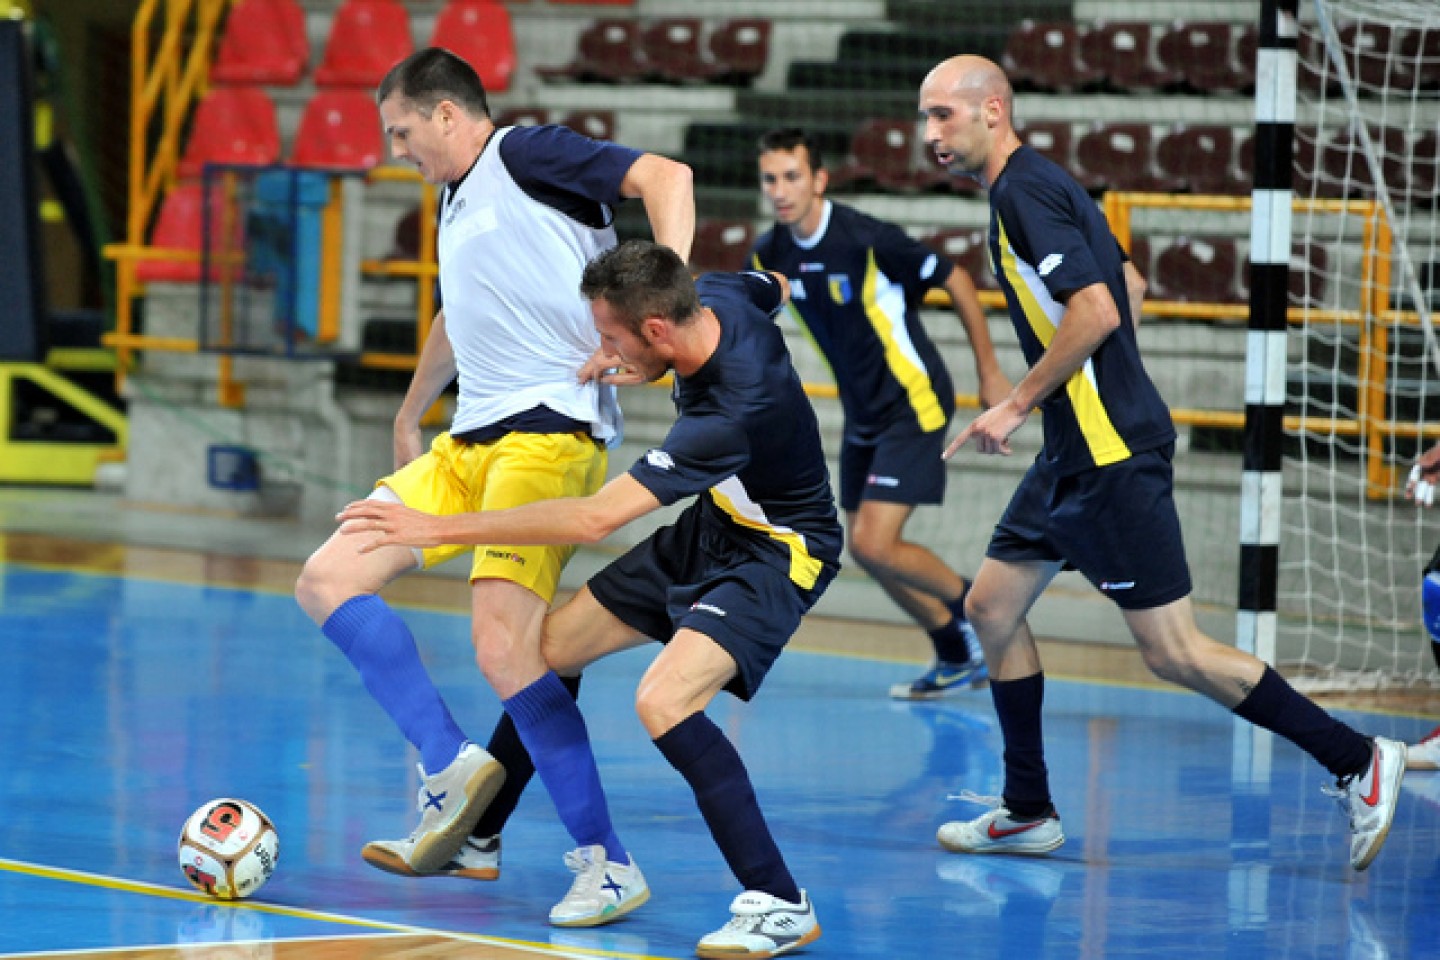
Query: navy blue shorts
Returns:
{"type": "Point", "coordinates": [685, 575]}
{"type": "Point", "coordinates": [895, 468]}
{"type": "Point", "coordinates": [1117, 525]}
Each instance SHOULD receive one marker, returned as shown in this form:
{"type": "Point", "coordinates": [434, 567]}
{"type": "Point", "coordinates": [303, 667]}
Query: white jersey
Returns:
{"type": "Point", "coordinates": [510, 269]}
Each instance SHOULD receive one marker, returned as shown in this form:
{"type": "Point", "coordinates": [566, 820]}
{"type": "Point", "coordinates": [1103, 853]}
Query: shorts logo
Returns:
{"type": "Point", "coordinates": [1048, 265]}
{"type": "Point", "coordinates": [660, 460]}
{"type": "Point", "coordinates": [510, 555]}
{"type": "Point", "coordinates": [839, 288]}
{"type": "Point", "coordinates": [1112, 585]}
{"type": "Point", "coordinates": [701, 606]}
{"type": "Point", "coordinates": [875, 480]}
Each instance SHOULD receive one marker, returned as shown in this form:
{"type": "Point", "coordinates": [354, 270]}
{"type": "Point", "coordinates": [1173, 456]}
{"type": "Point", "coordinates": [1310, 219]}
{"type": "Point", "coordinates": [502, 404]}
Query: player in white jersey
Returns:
{"type": "Point", "coordinates": [523, 211]}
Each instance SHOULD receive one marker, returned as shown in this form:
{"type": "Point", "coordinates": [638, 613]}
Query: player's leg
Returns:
{"type": "Point", "coordinates": [732, 627]}
{"type": "Point", "coordinates": [1023, 819]}
{"type": "Point", "coordinates": [1367, 771]}
{"type": "Point", "coordinates": [338, 589]}
{"type": "Point", "coordinates": [881, 484]}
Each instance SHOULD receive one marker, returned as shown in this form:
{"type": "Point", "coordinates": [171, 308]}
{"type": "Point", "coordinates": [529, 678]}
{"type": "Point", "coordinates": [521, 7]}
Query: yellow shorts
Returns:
{"type": "Point", "coordinates": [518, 468]}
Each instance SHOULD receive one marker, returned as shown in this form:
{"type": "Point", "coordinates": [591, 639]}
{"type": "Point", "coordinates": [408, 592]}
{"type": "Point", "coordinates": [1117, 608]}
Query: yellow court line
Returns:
{"type": "Point", "coordinates": [170, 893]}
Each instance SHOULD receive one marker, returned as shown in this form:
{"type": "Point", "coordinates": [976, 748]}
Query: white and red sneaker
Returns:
{"type": "Point", "coordinates": [998, 831]}
{"type": "Point", "coordinates": [1369, 800]}
{"type": "Point", "coordinates": [1424, 755]}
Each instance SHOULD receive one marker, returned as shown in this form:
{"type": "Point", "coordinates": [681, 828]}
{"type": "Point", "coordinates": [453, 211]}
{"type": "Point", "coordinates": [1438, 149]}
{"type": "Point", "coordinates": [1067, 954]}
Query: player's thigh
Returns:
{"type": "Point", "coordinates": [1003, 591]}
{"type": "Point", "coordinates": [582, 631]}
{"type": "Point", "coordinates": [338, 570]}
{"type": "Point", "coordinates": [683, 679]}
{"type": "Point", "coordinates": [505, 626]}
{"type": "Point", "coordinates": [877, 526]}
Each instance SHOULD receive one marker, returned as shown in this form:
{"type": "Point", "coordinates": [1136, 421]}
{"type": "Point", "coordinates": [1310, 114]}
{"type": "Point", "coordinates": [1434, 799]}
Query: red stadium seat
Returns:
{"type": "Point", "coordinates": [522, 117]}
{"type": "Point", "coordinates": [595, 124]}
{"type": "Point", "coordinates": [739, 50]}
{"type": "Point", "coordinates": [1308, 266]}
{"type": "Point", "coordinates": [264, 42]}
{"type": "Point", "coordinates": [1200, 157]}
{"type": "Point", "coordinates": [181, 226]}
{"type": "Point", "coordinates": [1420, 53]}
{"type": "Point", "coordinates": [479, 32]}
{"type": "Point", "coordinates": [1046, 55]}
{"type": "Point", "coordinates": [1124, 51]}
{"type": "Point", "coordinates": [1053, 138]}
{"type": "Point", "coordinates": [339, 131]}
{"type": "Point", "coordinates": [672, 49]}
{"type": "Point", "coordinates": [1344, 163]}
{"type": "Point", "coordinates": [1119, 156]}
{"type": "Point", "coordinates": [1247, 45]}
{"type": "Point", "coordinates": [1197, 270]}
{"type": "Point", "coordinates": [1203, 54]}
{"type": "Point", "coordinates": [965, 247]}
{"type": "Point", "coordinates": [1140, 256]}
{"type": "Point", "coordinates": [367, 38]}
{"type": "Point", "coordinates": [722, 245]}
{"type": "Point", "coordinates": [608, 50]}
{"type": "Point", "coordinates": [231, 125]}
{"type": "Point", "coordinates": [887, 153]}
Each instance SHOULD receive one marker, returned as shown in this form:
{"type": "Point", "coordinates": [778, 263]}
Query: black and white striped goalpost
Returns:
{"type": "Point", "coordinates": [1270, 238]}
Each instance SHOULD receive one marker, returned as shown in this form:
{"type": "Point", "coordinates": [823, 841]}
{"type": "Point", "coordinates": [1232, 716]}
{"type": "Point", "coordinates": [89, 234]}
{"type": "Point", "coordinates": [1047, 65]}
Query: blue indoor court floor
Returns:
{"type": "Point", "coordinates": [126, 701]}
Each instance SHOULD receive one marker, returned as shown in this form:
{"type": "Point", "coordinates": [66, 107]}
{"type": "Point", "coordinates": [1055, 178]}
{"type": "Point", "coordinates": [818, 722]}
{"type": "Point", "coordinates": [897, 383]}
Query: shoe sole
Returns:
{"type": "Point", "coordinates": [383, 859]}
{"type": "Point", "coordinates": [1384, 832]}
{"type": "Point", "coordinates": [905, 693]}
{"type": "Point", "coordinates": [439, 846]}
{"type": "Point", "coordinates": [610, 916]}
{"type": "Point", "coordinates": [1414, 764]}
{"type": "Point", "coordinates": [1027, 850]}
{"type": "Point", "coordinates": [726, 953]}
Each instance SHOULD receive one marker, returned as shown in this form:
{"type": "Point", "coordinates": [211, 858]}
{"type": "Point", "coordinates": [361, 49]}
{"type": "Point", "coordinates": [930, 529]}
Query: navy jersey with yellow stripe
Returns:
{"type": "Point", "coordinates": [747, 440]}
{"type": "Point", "coordinates": [1047, 240]}
{"type": "Point", "coordinates": [856, 290]}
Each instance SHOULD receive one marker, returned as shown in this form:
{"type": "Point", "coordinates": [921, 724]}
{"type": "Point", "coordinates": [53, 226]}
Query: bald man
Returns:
{"type": "Point", "coordinates": [1099, 498]}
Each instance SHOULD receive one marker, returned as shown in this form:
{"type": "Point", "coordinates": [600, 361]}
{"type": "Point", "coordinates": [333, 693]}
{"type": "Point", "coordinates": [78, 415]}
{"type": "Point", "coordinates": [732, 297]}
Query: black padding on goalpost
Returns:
{"type": "Point", "coordinates": [22, 307]}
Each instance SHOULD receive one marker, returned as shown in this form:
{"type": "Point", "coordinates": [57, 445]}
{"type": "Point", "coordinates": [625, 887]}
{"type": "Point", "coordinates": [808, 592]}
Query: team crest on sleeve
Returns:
{"type": "Point", "coordinates": [840, 290]}
{"type": "Point", "coordinates": [660, 460]}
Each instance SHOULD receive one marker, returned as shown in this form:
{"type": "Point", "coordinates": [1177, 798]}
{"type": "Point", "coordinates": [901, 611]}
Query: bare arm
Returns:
{"type": "Point", "coordinates": [994, 385]}
{"type": "Point", "coordinates": [1135, 287]}
{"type": "Point", "coordinates": [1090, 317]}
{"type": "Point", "coordinates": [564, 520]}
{"type": "Point", "coordinates": [667, 189]}
{"type": "Point", "coordinates": [434, 369]}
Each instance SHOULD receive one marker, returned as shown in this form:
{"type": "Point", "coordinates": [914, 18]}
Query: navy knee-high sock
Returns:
{"type": "Point", "coordinates": [553, 731]}
{"type": "Point", "coordinates": [1276, 706]}
{"type": "Point", "coordinates": [381, 647]}
{"type": "Point", "coordinates": [1018, 706]}
{"type": "Point", "coordinates": [505, 746]}
{"type": "Point", "coordinates": [708, 762]}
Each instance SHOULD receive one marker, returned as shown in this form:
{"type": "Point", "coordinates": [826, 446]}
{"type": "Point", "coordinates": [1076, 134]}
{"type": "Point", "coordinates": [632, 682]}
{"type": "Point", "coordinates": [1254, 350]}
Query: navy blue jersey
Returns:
{"type": "Point", "coordinates": [857, 291]}
{"type": "Point", "coordinates": [1047, 240]}
{"type": "Point", "coordinates": [747, 439]}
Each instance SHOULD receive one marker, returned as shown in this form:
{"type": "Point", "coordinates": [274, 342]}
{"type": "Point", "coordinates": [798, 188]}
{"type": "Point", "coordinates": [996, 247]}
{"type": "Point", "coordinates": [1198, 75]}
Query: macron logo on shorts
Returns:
{"type": "Point", "coordinates": [1048, 265]}
{"type": "Point", "coordinates": [1112, 586]}
{"type": "Point", "coordinates": [875, 480]}
{"type": "Point", "coordinates": [701, 606]}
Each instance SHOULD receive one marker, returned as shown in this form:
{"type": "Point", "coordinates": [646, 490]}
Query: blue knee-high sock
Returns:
{"type": "Point", "coordinates": [381, 647]}
{"type": "Point", "coordinates": [1276, 706]}
{"type": "Point", "coordinates": [553, 731]}
{"type": "Point", "coordinates": [708, 762]}
{"type": "Point", "coordinates": [1018, 706]}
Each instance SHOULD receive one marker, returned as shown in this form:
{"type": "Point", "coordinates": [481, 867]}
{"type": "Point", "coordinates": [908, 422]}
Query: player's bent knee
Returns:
{"type": "Point", "coordinates": [659, 713]}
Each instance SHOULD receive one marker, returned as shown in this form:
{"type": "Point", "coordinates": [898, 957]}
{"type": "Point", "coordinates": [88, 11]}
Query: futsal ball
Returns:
{"type": "Point", "coordinates": [229, 848]}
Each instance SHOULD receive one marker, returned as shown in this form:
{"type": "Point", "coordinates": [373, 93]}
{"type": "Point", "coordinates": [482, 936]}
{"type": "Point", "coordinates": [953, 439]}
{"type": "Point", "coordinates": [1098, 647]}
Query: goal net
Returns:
{"type": "Point", "coordinates": [1363, 396]}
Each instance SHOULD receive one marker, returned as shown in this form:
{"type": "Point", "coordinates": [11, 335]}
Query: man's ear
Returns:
{"type": "Point", "coordinates": [658, 331]}
{"type": "Point", "coordinates": [822, 181]}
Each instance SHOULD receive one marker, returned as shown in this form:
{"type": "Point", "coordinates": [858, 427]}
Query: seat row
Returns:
{"type": "Point", "coordinates": [1208, 57]}
{"type": "Point", "coordinates": [264, 42]}
{"type": "Point", "coordinates": [669, 50]}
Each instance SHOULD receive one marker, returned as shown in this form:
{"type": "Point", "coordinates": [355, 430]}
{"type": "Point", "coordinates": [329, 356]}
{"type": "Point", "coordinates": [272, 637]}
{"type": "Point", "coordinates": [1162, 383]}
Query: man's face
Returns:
{"type": "Point", "coordinates": [955, 129]}
{"type": "Point", "coordinates": [793, 189]}
{"type": "Point", "coordinates": [419, 139]}
{"type": "Point", "coordinates": [616, 338]}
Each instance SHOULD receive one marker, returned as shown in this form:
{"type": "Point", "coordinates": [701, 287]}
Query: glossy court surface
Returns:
{"type": "Point", "coordinates": [138, 684]}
